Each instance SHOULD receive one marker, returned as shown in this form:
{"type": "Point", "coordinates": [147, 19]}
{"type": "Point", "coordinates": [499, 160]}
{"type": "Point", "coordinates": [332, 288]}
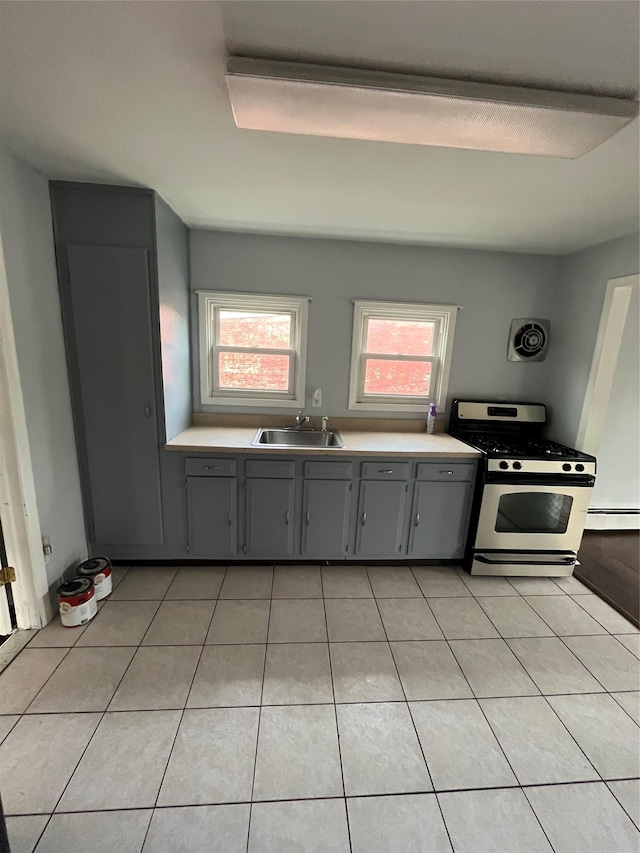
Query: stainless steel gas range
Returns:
{"type": "Point", "coordinates": [533, 494]}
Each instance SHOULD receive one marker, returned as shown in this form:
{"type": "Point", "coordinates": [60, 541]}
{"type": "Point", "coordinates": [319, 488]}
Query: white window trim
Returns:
{"type": "Point", "coordinates": [297, 306]}
{"type": "Point", "coordinates": [445, 318]}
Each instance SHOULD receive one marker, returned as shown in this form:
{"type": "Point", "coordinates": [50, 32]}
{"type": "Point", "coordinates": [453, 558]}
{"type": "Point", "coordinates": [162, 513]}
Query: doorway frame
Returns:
{"type": "Point", "coordinates": [606, 354]}
{"type": "Point", "coordinates": [20, 520]}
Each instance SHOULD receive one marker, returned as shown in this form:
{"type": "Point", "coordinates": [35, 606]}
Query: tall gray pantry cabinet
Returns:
{"type": "Point", "coordinates": [120, 252]}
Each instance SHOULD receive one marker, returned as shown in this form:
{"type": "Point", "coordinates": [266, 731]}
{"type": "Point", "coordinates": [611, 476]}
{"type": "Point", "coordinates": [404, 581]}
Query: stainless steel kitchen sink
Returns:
{"type": "Point", "coordinates": [292, 437]}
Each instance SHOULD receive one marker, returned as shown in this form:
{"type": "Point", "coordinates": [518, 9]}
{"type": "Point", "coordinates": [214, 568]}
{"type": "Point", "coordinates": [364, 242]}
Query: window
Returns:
{"type": "Point", "coordinates": [252, 348]}
{"type": "Point", "coordinates": [401, 355]}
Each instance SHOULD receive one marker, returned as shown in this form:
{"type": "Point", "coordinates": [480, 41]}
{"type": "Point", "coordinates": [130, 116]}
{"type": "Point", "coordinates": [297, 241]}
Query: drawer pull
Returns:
{"type": "Point", "coordinates": [364, 518]}
{"type": "Point", "coordinates": [385, 471]}
{"type": "Point", "coordinates": [446, 472]}
{"type": "Point", "coordinates": [230, 520]}
{"type": "Point", "coordinates": [286, 517]}
{"type": "Point", "coordinates": [307, 518]}
{"type": "Point", "coordinates": [417, 521]}
{"type": "Point", "coordinates": [212, 467]}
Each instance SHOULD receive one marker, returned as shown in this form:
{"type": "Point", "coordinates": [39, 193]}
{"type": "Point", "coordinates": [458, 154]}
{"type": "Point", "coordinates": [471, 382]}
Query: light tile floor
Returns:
{"type": "Point", "coordinates": [380, 710]}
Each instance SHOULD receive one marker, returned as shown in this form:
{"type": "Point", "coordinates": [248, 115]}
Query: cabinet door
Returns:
{"type": "Point", "coordinates": [325, 518]}
{"type": "Point", "coordinates": [439, 519]}
{"type": "Point", "coordinates": [380, 518]}
{"type": "Point", "coordinates": [212, 514]}
{"type": "Point", "coordinates": [269, 517]}
{"type": "Point", "coordinates": [113, 366]}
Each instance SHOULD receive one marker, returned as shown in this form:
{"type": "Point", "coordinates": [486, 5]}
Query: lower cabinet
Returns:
{"type": "Point", "coordinates": [439, 519]}
{"type": "Point", "coordinates": [405, 508]}
{"type": "Point", "coordinates": [212, 514]}
{"type": "Point", "coordinates": [381, 511]}
{"type": "Point", "coordinates": [269, 517]}
{"type": "Point", "coordinates": [325, 518]}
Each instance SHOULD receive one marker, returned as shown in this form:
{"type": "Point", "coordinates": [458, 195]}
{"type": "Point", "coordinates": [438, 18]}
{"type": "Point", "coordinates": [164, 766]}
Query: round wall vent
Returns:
{"type": "Point", "coordinates": [528, 339]}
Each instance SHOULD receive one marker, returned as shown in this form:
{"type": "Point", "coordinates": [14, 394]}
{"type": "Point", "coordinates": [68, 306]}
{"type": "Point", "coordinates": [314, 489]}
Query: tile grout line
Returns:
{"type": "Point", "coordinates": [617, 637]}
{"type": "Point", "coordinates": [556, 637]}
{"type": "Point", "coordinates": [567, 646]}
{"type": "Point", "coordinates": [620, 802]}
{"type": "Point", "coordinates": [534, 611]}
{"type": "Point", "coordinates": [550, 706]}
{"type": "Point", "coordinates": [578, 596]}
{"type": "Point", "coordinates": [475, 699]}
{"type": "Point", "coordinates": [413, 722]}
{"type": "Point", "coordinates": [264, 669]}
{"type": "Point", "coordinates": [352, 702]}
{"type": "Point", "coordinates": [186, 699]}
{"type": "Point", "coordinates": [102, 716]}
{"type": "Point", "coordinates": [335, 713]}
{"type": "Point", "coordinates": [515, 786]}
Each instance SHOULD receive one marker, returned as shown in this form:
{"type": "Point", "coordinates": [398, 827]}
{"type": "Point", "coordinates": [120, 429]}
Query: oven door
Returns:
{"type": "Point", "coordinates": [517, 516]}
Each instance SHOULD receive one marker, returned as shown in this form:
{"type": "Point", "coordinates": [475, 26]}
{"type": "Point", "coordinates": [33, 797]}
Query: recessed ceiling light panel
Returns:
{"type": "Point", "coordinates": [289, 97]}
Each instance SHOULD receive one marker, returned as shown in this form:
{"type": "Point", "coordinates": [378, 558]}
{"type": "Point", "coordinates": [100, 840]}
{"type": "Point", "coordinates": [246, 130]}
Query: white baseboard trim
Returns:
{"type": "Point", "coordinates": [613, 519]}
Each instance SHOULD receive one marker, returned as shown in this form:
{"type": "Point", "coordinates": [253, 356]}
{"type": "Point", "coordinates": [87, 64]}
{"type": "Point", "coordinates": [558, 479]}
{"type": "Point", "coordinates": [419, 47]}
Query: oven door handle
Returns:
{"type": "Point", "coordinates": [570, 561]}
{"type": "Point", "coordinates": [551, 480]}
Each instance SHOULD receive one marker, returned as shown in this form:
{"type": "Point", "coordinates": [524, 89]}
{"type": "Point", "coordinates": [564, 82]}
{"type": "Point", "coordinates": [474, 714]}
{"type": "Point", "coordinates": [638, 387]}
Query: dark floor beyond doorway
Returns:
{"type": "Point", "coordinates": [610, 565]}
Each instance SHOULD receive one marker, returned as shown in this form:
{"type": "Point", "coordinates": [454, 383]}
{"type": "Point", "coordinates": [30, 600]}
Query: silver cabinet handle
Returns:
{"type": "Point", "coordinates": [147, 410]}
{"type": "Point", "coordinates": [286, 517]}
{"type": "Point", "coordinates": [230, 522]}
{"type": "Point", "coordinates": [446, 472]}
{"type": "Point", "coordinates": [417, 521]}
{"type": "Point", "coordinates": [307, 518]}
{"type": "Point", "coordinates": [385, 471]}
{"type": "Point", "coordinates": [364, 518]}
{"type": "Point", "coordinates": [214, 468]}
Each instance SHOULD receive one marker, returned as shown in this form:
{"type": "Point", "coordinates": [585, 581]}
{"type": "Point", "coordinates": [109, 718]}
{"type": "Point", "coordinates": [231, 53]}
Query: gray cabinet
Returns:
{"type": "Point", "coordinates": [439, 519]}
{"type": "Point", "coordinates": [381, 512]}
{"type": "Point", "coordinates": [113, 365]}
{"type": "Point", "coordinates": [325, 518]}
{"type": "Point", "coordinates": [269, 518]}
{"type": "Point", "coordinates": [304, 508]}
{"type": "Point", "coordinates": [120, 253]}
{"type": "Point", "coordinates": [212, 516]}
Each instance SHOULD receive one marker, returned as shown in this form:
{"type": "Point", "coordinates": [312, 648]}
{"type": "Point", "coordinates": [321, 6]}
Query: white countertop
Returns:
{"type": "Point", "coordinates": [237, 439]}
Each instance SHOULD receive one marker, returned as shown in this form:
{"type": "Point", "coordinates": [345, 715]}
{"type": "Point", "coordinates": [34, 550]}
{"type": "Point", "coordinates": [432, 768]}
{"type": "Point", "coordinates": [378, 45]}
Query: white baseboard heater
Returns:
{"type": "Point", "coordinates": [603, 518]}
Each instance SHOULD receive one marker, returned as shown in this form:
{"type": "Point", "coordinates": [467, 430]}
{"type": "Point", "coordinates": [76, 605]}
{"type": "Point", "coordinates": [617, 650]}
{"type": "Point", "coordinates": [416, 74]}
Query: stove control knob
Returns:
{"type": "Point", "coordinates": [517, 465]}
{"type": "Point", "coordinates": [504, 464]}
{"type": "Point", "coordinates": [566, 467]}
{"type": "Point", "coordinates": [579, 467]}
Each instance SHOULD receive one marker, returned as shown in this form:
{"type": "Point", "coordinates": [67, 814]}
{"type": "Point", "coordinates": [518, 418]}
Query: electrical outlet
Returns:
{"type": "Point", "coordinates": [317, 397]}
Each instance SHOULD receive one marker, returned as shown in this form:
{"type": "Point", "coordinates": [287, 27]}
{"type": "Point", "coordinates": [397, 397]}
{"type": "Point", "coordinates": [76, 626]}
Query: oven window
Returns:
{"type": "Point", "coordinates": [539, 512]}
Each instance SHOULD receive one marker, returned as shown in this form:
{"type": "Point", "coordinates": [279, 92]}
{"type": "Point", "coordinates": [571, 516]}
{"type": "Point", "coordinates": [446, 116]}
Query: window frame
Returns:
{"type": "Point", "coordinates": [444, 317]}
{"type": "Point", "coordinates": [209, 304]}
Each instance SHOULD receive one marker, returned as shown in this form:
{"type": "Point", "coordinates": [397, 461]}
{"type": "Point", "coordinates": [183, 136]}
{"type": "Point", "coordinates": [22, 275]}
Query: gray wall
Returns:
{"type": "Point", "coordinates": [575, 308]}
{"type": "Point", "coordinates": [492, 287]}
{"type": "Point", "coordinates": [618, 480]}
{"type": "Point", "coordinates": [172, 242]}
{"type": "Point", "coordinates": [25, 224]}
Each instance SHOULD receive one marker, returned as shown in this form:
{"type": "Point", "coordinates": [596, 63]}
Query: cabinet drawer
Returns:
{"type": "Point", "coordinates": [270, 468]}
{"type": "Point", "coordinates": [445, 471]}
{"type": "Point", "coordinates": [210, 467]}
{"type": "Point", "coordinates": [328, 470]}
{"type": "Point", "coordinates": [385, 470]}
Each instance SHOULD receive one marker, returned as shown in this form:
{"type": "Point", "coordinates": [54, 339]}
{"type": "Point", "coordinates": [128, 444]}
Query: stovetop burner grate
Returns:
{"type": "Point", "coordinates": [538, 448]}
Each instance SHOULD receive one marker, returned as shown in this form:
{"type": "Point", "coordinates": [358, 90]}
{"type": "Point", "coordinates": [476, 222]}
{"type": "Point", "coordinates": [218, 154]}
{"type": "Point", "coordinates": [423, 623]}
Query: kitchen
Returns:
{"type": "Point", "coordinates": [495, 278]}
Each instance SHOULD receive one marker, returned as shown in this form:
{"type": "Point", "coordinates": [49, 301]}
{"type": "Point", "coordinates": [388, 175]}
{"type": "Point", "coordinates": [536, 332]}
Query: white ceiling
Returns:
{"type": "Point", "coordinates": [134, 92]}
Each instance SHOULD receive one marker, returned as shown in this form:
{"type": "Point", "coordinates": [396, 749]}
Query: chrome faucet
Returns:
{"type": "Point", "coordinates": [301, 420]}
{"type": "Point", "coordinates": [324, 424]}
